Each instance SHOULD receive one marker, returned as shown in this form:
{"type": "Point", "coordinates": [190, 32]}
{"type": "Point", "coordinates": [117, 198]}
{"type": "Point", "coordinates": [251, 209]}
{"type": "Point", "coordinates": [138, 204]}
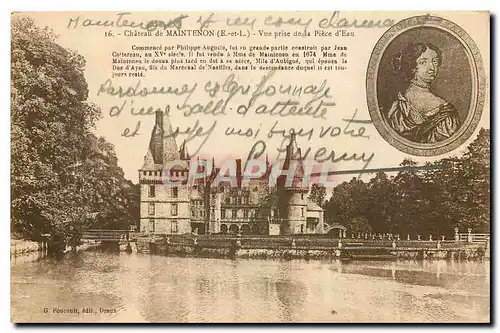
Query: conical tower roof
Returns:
{"type": "Point", "coordinates": [170, 150]}
{"type": "Point", "coordinates": [149, 162]}
{"type": "Point", "coordinates": [183, 151]}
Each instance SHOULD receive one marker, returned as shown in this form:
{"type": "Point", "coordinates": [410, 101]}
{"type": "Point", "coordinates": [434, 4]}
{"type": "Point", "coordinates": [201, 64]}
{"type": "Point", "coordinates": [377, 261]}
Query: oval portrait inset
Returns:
{"type": "Point", "coordinates": [425, 86]}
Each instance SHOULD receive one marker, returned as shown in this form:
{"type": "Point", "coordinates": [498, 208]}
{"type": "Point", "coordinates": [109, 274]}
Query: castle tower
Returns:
{"type": "Point", "coordinates": [163, 209]}
{"type": "Point", "coordinates": [215, 211]}
{"type": "Point", "coordinates": [292, 200]}
{"type": "Point", "coordinates": [170, 151]}
{"type": "Point", "coordinates": [183, 152]}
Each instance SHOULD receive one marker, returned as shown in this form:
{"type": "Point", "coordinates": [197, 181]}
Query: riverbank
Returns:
{"type": "Point", "coordinates": [216, 246]}
{"type": "Point", "coordinates": [26, 251]}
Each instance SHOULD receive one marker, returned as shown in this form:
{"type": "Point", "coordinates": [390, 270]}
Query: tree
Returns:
{"type": "Point", "coordinates": [454, 191]}
{"type": "Point", "coordinates": [383, 202]}
{"type": "Point", "coordinates": [61, 173]}
{"type": "Point", "coordinates": [50, 118]}
{"type": "Point", "coordinates": [318, 194]}
{"type": "Point", "coordinates": [348, 201]}
{"type": "Point", "coordinates": [408, 217]}
{"type": "Point", "coordinates": [358, 224]}
{"type": "Point", "coordinates": [442, 194]}
{"type": "Point", "coordinates": [476, 172]}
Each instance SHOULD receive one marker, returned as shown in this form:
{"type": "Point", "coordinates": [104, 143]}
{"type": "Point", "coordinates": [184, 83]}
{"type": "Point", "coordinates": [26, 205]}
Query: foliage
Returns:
{"type": "Point", "coordinates": [317, 194]}
{"type": "Point", "coordinates": [431, 201]}
{"type": "Point", "coordinates": [63, 178]}
{"type": "Point", "coordinates": [359, 224]}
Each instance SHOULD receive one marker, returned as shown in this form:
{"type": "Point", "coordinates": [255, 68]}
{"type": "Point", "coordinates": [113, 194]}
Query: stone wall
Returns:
{"type": "Point", "coordinates": [163, 200]}
{"type": "Point", "coordinates": [298, 248]}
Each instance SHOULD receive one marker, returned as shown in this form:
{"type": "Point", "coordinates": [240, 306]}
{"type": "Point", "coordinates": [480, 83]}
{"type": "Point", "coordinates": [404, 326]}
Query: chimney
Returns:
{"type": "Point", "coordinates": [184, 155]}
{"type": "Point", "coordinates": [156, 141]}
{"type": "Point", "coordinates": [159, 119]}
{"type": "Point", "coordinates": [239, 175]}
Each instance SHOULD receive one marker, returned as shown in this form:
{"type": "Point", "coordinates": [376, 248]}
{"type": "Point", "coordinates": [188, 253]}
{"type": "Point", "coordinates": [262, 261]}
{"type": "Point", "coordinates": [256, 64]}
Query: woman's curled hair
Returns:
{"type": "Point", "coordinates": [405, 62]}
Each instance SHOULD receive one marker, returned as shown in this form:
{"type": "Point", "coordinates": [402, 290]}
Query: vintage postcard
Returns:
{"type": "Point", "coordinates": [250, 167]}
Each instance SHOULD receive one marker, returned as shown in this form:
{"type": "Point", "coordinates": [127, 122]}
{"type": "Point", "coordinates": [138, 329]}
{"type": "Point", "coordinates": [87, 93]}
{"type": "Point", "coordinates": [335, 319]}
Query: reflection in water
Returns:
{"type": "Point", "coordinates": [291, 293]}
{"type": "Point", "coordinates": [138, 288]}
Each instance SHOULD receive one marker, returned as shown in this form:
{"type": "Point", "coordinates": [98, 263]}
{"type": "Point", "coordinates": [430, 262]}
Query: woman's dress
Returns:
{"type": "Point", "coordinates": [434, 125]}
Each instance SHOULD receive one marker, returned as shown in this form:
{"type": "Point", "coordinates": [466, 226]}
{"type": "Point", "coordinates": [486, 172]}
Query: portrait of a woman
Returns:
{"type": "Point", "coordinates": [418, 114]}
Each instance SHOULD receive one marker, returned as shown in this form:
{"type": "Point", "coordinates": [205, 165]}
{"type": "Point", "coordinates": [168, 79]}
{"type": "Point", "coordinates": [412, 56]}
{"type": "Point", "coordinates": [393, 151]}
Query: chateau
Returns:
{"type": "Point", "coordinates": [253, 209]}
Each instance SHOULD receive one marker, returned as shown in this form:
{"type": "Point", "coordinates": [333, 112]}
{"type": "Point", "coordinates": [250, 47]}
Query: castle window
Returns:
{"type": "Point", "coordinates": [151, 208]}
{"type": "Point", "coordinates": [238, 200]}
{"type": "Point", "coordinates": [175, 227]}
{"type": "Point", "coordinates": [175, 192]}
{"type": "Point", "coordinates": [301, 228]}
{"type": "Point", "coordinates": [245, 214]}
{"type": "Point", "coordinates": [152, 191]}
{"type": "Point", "coordinates": [151, 225]}
{"type": "Point", "coordinates": [150, 172]}
{"type": "Point", "coordinates": [223, 213]}
{"type": "Point", "coordinates": [302, 196]}
{"type": "Point", "coordinates": [228, 200]}
{"type": "Point", "coordinates": [234, 213]}
{"type": "Point", "coordinates": [193, 212]}
{"type": "Point", "coordinates": [302, 209]}
{"type": "Point", "coordinates": [145, 173]}
{"type": "Point", "coordinates": [174, 209]}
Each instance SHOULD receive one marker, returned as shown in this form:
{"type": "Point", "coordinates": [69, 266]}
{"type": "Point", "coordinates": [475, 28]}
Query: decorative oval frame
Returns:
{"type": "Point", "coordinates": [478, 87]}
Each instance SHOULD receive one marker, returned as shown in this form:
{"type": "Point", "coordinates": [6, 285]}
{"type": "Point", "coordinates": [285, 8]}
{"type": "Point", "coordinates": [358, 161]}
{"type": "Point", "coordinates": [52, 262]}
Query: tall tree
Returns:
{"type": "Point", "coordinates": [50, 121]}
{"type": "Point", "coordinates": [61, 173]}
{"type": "Point", "coordinates": [383, 202]}
{"type": "Point", "coordinates": [476, 168]}
{"type": "Point", "coordinates": [408, 186]}
{"type": "Point", "coordinates": [348, 205]}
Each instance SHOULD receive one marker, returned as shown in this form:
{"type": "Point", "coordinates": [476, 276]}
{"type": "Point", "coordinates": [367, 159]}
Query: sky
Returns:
{"type": "Point", "coordinates": [343, 91]}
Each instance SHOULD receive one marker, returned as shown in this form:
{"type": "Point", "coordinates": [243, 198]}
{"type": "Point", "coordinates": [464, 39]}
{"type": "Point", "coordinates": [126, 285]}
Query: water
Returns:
{"type": "Point", "coordinates": [142, 288]}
